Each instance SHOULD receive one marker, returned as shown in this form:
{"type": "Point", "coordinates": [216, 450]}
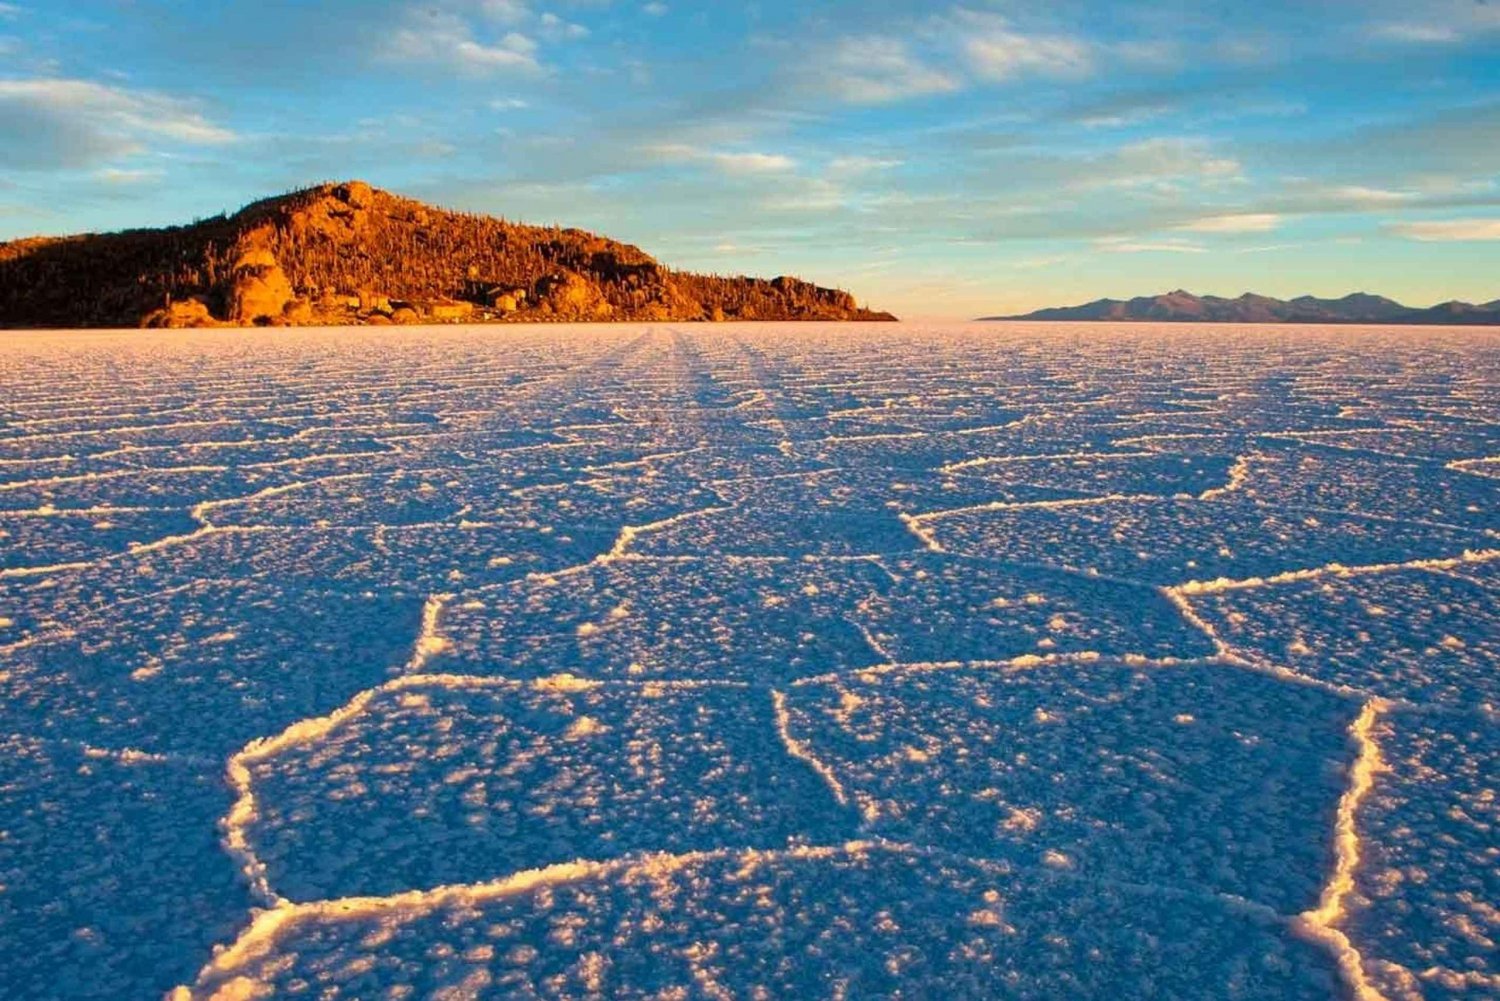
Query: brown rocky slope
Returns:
{"type": "Point", "coordinates": [349, 253]}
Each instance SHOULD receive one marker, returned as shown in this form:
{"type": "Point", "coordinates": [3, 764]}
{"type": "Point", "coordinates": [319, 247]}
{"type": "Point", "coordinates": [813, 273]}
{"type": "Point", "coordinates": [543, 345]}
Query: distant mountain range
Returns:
{"type": "Point", "coordinates": [1180, 306]}
{"type": "Point", "coordinates": [349, 253]}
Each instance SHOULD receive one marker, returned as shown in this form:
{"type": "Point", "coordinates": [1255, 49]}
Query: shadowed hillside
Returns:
{"type": "Point", "coordinates": [349, 253]}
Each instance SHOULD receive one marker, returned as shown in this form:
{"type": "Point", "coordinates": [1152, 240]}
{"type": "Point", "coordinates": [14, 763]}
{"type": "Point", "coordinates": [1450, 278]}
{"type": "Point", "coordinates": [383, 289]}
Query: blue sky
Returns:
{"type": "Point", "coordinates": [938, 160]}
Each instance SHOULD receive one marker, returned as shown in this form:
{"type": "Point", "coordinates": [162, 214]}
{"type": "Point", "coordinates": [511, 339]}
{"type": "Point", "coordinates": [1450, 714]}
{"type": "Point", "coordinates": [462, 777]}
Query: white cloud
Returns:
{"type": "Point", "coordinates": [1125, 245]}
{"type": "Point", "coordinates": [738, 163]}
{"type": "Point", "coordinates": [1360, 195]}
{"type": "Point", "coordinates": [555, 28]}
{"type": "Point", "coordinates": [1449, 230]}
{"type": "Point", "coordinates": [505, 11]}
{"type": "Point", "coordinates": [878, 70]}
{"type": "Point", "coordinates": [814, 194]}
{"type": "Point", "coordinates": [1158, 162]}
{"type": "Point", "coordinates": [753, 163]}
{"type": "Point", "coordinates": [117, 176]}
{"type": "Point", "coordinates": [1442, 22]}
{"type": "Point", "coordinates": [1408, 31]}
{"type": "Point", "coordinates": [854, 166]}
{"type": "Point", "coordinates": [996, 51]}
{"type": "Point", "coordinates": [654, 9]}
{"type": "Point", "coordinates": [1249, 222]}
{"type": "Point", "coordinates": [446, 39]}
{"type": "Point", "coordinates": [64, 123]}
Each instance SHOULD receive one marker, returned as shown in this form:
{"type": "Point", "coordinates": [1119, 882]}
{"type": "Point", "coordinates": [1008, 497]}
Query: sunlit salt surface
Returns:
{"type": "Point", "coordinates": [750, 661]}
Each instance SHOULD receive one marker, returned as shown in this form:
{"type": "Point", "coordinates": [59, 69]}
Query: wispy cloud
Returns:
{"type": "Point", "coordinates": [1363, 196]}
{"type": "Point", "coordinates": [1442, 22]}
{"type": "Point", "coordinates": [1163, 160]}
{"type": "Point", "coordinates": [1412, 31]}
{"type": "Point", "coordinates": [1449, 230]}
{"type": "Point", "coordinates": [480, 41]}
{"type": "Point", "coordinates": [457, 47]}
{"type": "Point", "coordinates": [64, 123]}
{"type": "Point", "coordinates": [856, 166]}
{"type": "Point", "coordinates": [996, 51]}
{"type": "Point", "coordinates": [118, 176]}
{"type": "Point", "coordinates": [1248, 222]}
{"type": "Point", "coordinates": [554, 28]}
{"type": "Point", "coordinates": [728, 162]}
{"type": "Point", "coordinates": [1125, 245]}
{"type": "Point", "coordinates": [753, 163]}
{"type": "Point", "coordinates": [878, 70]}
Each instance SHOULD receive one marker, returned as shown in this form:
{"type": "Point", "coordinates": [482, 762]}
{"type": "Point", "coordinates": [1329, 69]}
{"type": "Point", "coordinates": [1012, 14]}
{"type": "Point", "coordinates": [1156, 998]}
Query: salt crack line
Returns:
{"type": "Point", "coordinates": [129, 429]}
{"type": "Point", "coordinates": [1225, 653]}
{"type": "Point", "coordinates": [1321, 924]}
{"type": "Point", "coordinates": [1040, 505]}
{"type": "Point", "coordinates": [629, 533]}
{"type": "Point", "coordinates": [1223, 584]}
{"type": "Point", "coordinates": [992, 460]}
{"type": "Point", "coordinates": [1239, 475]}
{"type": "Point", "coordinates": [201, 509]}
{"type": "Point", "coordinates": [119, 755]}
{"type": "Point", "coordinates": [51, 568]}
{"type": "Point", "coordinates": [1022, 662]}
{"type": "Point", "coordinates": [93, 511]}
{"type": "Point", "coordinates": [245, 810]}
{"type": "Point", "coordinates": [142, 548]}
{"type": "Point", "coordinates": [113, 474]}
{"type": "Point", "coordinates": [799, 750]}
{"type": "Point", "coordinates": [257, 941]}
{"type": "Point", "coordinates": [644, 460]}
{"type": "Point", "coordinates": [430, 642]}
{"type": "Point", "coordinates": [924, 535]}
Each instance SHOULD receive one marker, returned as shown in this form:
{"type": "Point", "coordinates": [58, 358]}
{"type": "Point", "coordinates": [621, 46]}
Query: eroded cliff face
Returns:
{"type": "Point", "coordinates": [350, 253]}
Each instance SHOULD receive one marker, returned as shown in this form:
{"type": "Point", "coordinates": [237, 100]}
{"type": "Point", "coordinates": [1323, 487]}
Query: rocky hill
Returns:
{"type": "Point", "coordinates": [349, 253]}
{"type": "Point", "coordinates": [1180, 306]}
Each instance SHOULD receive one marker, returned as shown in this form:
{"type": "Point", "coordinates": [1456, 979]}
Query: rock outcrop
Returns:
{"type": "Point", "coordinates": [350, 253]}
{"type": "Point", "coordinates": [259, 290]}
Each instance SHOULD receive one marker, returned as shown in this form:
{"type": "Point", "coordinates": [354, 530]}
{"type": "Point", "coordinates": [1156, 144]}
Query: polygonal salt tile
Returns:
{"type": "Point", "coordinates": [1100, 474]}
{"type": "Point", "coordinates": [456, 780]}
{"type": "Point", "coordinates": [162, 435]}
{"type": "Point", "coordinates": [1363, 485]}
{"type": "Point", "coordinates": [938, 608]}
{"type": "Point", "coordinates": [1474, 441]}
{"type": "Point", "coordinates": [113, 883]}
{"type": "Point", "coordinates": [400, 498]}
{"type": "Point", "coordinates": [762, 621]}
{"type": "Point", "coordinates": [181, 488]}
{"type": "Point", "coordinates": [205, 667]}
{"type": "Point", "coordinates": [778, 530]}
{"type": "Point", "coordinates": [47, 538]}
{"type": "Point", "coordinates": [1418, 635]}
{"type": "Point", "coordinates": [1207, 778]}
{"type": "Point", "coordinates": [1173, 541]}
{"type": "Point", "coordinates": [929, 451]}
{"type": "Point", "coordinates": [1424, 911]}
{"type": "Point", "coordinates": [857, 922]}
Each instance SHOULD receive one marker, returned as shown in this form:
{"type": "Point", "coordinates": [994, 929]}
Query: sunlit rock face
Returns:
{"type": "Point", "coordinates": [737, 661]}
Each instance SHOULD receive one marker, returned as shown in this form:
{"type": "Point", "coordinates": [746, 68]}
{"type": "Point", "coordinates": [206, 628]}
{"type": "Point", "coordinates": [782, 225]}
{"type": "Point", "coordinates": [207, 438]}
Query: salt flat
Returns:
{"type": "Point", "coordinates": [750, 661]}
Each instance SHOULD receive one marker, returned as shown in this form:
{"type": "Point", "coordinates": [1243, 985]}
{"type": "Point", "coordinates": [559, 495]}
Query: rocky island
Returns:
{"type": "Point", "coordinates": [348, 253]}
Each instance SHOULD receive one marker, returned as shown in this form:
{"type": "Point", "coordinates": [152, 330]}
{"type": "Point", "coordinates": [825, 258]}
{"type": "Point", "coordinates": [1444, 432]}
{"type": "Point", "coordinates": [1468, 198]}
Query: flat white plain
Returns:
{"type": "Point", "coordinates": [750, 661]}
